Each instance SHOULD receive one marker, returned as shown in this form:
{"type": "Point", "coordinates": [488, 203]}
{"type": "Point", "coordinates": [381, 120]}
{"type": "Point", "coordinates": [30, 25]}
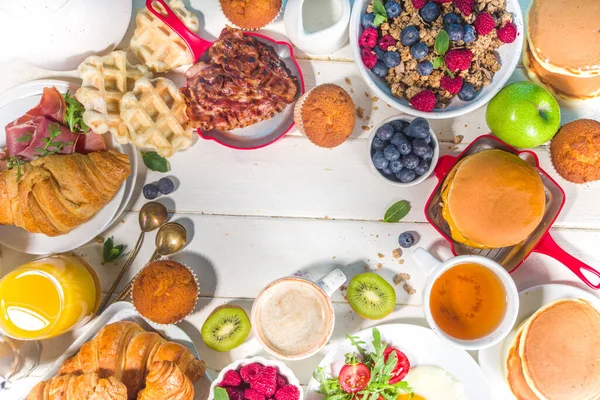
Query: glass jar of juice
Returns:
{"type": "Point", "coordinates": [48, 297]}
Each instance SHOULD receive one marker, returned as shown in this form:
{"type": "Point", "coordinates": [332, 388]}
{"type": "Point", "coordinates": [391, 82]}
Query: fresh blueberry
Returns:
{"type": "Point", "coordinates": [469, 35]}
{"type": "Point", "coordinates": [379, 53]}
{"type": "Point", "coordinates": [418, 128]}
{"type": "Point", "coordinates": [378, 144]}
{"type": "Point", "coordinates": [430, 12]}
{"type": "Point", "coordinates": [391, 153]}
{"type": "Point", "coordinates": [399, 125]}
{"type": "Point", "coordinates": [166, 186]}
{"type": "Point", "coordinates": [428, 139]}
{"type": "Point", "coordinates": [367, 20]}
{"type": "Point", "coordinates": [422, 168]}
{"type": "Point", "coordinates": [456, 32]}
{"type": "Point", "coordinates": [392, 8]}
{"type": "Point", "coordinates": [397, 138]}
{"type": "Point", "coordinates": [409, 35]}
{"type": "Point", "coordinates": [428, 154]}
{"type": "Point", "coordinates": [425, 68]}
{"type": "Point", "coordinates": [467, 92]}
{"type": "Point", "coordinates": [420, 147]}
{"type": "Point", "coordinates": [385, 132]}
{"type": "Point", "coordinates": [406, 240]}
{"type": "Point", "coordinates": [395, 166]}
{"type": "Point", "coordinates": [406, 175]}
{"type": "Point", "coordinates": [387, 171]}
{"type": "Point", "coordinates": [419, 50]}
{"type": "Point", "coordinates": [150, 191]}
{"type": "Point", "coordinates": [379, 160]}
{"type": "Point", "coordinates": [404, 147]}
{"type": "Point", "coordinates": [410, 161]}
{"type": "Point", "coordinates": [391, 59]}
{"type": "Point", "coordinates": [380, 69]}
{"type": "Point", "coordinates": [451, 18]}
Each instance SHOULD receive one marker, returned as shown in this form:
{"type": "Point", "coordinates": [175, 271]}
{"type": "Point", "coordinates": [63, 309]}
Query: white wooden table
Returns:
{"type": "Point", "coordinates": [255, 216]}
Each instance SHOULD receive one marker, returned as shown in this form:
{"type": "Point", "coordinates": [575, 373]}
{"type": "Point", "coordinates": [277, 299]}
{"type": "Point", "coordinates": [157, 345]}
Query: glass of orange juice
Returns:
{"type": "Point", "coordinates": [48, 297]}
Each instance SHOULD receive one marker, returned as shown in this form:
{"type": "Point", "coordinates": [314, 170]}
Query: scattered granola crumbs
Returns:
{"type": "Point", "coordinates": [379, 265]}
{"type": "Point", "coordinates": [99, 239]}
{"type": "Point", "coordinates": [319, 73]}
{"type": "Point", "coordinates": [352, 91]}
{"type": "Point", "coordinates": [409, 289]}
{"type": "Point", "coordinates": [380, 255]}
{"type": "Point", "coordinates": [375, 99]}
{"type": "Point", "coordinates": [458, 139]}
{"type": "Point", "coordinates": [401, 277]}
{"type": "Point", "coordinates": [367, 118]}
{"type": "Point", "coordinates": [388, 106]}
{"type": "Point", "coordinates": [376, 108]}
{"type": "Point", "coordinates": [365, 128]}
{"type": "Point", "coordinates": [400, 261]}
{"type": "Point", "coordinates": [397, 253]}
{"type": "Point", "coordinates": [360, 112]}
{"type": "Point", "coordinates": [367, 94]}
{"type": "Point", "coordinates": [366, 268]}
{"type": "Point", "coordinates": [348, 81]}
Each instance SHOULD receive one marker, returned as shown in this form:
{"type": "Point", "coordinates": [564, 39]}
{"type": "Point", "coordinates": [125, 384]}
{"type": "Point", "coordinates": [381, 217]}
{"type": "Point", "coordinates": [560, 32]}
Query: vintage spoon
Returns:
{"type": "Point", "coordinates": [170, 238]}
{"type": "Point", "coordinates": [152, 215]}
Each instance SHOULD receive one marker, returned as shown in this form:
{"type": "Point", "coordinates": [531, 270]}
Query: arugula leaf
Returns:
{"type": "Point", "coordinates": [380, 13]}
{"type": "Point", "coordinates": [16, 162]}
{"type": "Point", "coordinates": [50, 146]}
{"type": "Point", "coordinates": [24, 138]}
{"type": "Point", "coordinates": [221, 394]}
{"type": "Point", "coordinates": [442, 42]}
{"type": "Point", "coordinates": [397, 211]}
{"type": "Point", "coordinates": [438, 62]}
{"type": "Point", "coordinates": [357, 342]}
{"type": "Point", "coordinates": [74, 114]}
{"type": "Point", "coordinates": [110, 252]}
{"type": "Point", "coordinates": [155, 162]}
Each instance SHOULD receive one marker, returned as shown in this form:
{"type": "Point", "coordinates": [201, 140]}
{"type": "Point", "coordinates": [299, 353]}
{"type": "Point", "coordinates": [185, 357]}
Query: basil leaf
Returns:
{"type": "Point", "coordinates": [221, 394]}
{"type": "Point", "coordinates": [155, 162]}
{"type": "Point", "coordinates": [397, 211]}
{"type": "Point", "coordinates": [379, 20]}
{"type": "Point", "coordinates": [379, 9]}
{"type": "Point", "coordinates": [438, 62]}
{"type": "Point", "coordinates": [442, 42]}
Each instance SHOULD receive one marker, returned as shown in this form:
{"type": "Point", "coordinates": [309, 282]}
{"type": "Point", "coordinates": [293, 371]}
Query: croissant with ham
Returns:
{"type": "Point", "coordinates": [77, 387]}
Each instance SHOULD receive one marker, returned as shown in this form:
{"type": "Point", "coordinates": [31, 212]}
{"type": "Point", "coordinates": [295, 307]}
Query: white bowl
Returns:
{"type": "Point", "coordinates": [434, 160]}
{"type": "Point", "coordinates": [509, 54]}
{"type": "Point", "coordinates": [278, 365]}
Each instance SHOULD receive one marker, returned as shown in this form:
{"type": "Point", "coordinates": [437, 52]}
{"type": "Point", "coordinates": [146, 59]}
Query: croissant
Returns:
{"type": "Point", "coordinates": [166, 381]}
{"type": "Point", "coordinates": [57, 193]}
{"type": "Point", "coordinates": [124, 350]}
{"type": "Point", "coordinates": [78, 387]}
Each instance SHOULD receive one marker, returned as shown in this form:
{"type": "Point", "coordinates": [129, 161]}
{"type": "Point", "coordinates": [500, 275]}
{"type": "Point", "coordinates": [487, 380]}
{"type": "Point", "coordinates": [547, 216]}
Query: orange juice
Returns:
{"type": "Point", "coordinates": [48, 297]}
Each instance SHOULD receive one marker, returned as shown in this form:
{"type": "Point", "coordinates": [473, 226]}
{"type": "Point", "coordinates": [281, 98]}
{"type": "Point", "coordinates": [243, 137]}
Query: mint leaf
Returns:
{"type": "Point", "coordinates": [442, 42]}
{"type": "Point", "coordinates": [221, 394]}
{"type": "Point", "coordinates": [110, 252]}
{"type": "Point", "coordinates": [438, 62]}
{"type": "Point", "coordinates": [397, 211]}
{"type": "Point", "coordinates": [155, 162]}
{"type": "Point", "coordinates": [379, 20]}
{"type": "Point", "coordinates": [379, 9]}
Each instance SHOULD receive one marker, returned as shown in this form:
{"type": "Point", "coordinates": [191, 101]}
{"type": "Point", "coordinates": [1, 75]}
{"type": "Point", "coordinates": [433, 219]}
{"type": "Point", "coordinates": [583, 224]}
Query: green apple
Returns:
{"type": "Point", "coordinates": [523, 115]}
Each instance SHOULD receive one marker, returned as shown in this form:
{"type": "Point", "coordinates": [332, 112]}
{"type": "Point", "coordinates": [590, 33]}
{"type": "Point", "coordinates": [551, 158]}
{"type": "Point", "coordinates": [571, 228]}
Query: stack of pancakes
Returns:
{"type": "Point", "coordinates": [556, 353]}
{"type": "Point", "coordinates": [563, 51]}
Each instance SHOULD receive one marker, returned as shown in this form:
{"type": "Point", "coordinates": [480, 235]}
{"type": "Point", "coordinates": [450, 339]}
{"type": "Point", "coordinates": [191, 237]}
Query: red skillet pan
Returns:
{"type": "Point", "coordinates": [255, 136]}
{"type": "Point", "coordinates": [540, 241]}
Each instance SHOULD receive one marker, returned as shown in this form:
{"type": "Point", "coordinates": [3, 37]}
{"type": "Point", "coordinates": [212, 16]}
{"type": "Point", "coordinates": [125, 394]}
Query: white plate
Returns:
{"type": "Point", "coordinates": [422, 347]}
{"type": "Point", "coordinates": [13, 104]}
{"type": "Point", "coordinates": [492, 359]}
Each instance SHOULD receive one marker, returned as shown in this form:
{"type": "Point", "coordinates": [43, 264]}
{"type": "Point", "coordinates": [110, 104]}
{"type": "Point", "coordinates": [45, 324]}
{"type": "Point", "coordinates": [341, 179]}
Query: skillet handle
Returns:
{"type": "Point", "coordinates": [549, 247]}
{"type": "Point", "coordinates": [443, 166]}
{"type": "Point", "coordinates": [196, 44]}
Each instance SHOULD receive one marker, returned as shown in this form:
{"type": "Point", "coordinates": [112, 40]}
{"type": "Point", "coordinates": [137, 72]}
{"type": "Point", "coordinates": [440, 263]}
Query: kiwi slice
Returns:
{"type": "Point", "coordinates": [226, 328]}
{"type": "Point", "coordinates": [371, 296]}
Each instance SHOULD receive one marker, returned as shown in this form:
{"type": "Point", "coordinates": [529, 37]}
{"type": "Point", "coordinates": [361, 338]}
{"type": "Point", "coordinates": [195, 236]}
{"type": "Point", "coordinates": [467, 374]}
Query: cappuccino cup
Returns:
{"type": "Point", "coordinates": [293, 317]}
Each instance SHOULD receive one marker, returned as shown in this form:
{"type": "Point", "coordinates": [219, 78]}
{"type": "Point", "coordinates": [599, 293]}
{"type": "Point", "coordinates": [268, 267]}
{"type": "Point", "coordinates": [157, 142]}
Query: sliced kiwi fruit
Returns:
{"type": "Point", "coordinates": [371, 296]}
{"type": "Point", "coordinates": [226, 328]}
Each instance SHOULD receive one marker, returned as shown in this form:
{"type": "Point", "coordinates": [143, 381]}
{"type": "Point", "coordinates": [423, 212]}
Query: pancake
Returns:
{"type": "Point", "coordinates": [560, 351]}
{"type": "Point", "coordinates": [514, 371]}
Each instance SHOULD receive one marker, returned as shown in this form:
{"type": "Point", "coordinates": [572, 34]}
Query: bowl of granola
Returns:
{"type": "Point", "coordinates": [436, 58]}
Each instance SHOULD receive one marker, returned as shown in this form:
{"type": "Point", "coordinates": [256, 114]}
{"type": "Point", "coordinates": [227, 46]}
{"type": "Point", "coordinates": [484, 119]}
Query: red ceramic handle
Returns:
{"type": "Point", "coordinates": [549, 247]}
{"type": "Point", "coordinates": [197, 45]}
{"type": "Point", "coordinates": [443, 166]}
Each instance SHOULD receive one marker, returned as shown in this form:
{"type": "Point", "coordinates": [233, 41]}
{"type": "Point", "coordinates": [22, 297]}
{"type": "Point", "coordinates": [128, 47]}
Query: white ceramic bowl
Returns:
{"type": "Point", "coordinates": [509, 55]}
{"type": "Point", "coordinates": [434, 160]}
{"type": "Point", "coordinates": [278, 365]}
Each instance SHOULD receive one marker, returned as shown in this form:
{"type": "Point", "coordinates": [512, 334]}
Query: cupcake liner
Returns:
{"type": "Point", "coordinates": [298, 113]}
{"type": "Point", "coordinates": [157, 324]}
{"type": "Point", "coordinates": [251, 29]}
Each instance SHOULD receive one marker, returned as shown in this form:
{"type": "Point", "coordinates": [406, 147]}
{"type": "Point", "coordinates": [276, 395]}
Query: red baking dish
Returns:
{"type": "Point", "coordinates": [540, 241]}
{"type": "Point", "coordinates": [254, 136]}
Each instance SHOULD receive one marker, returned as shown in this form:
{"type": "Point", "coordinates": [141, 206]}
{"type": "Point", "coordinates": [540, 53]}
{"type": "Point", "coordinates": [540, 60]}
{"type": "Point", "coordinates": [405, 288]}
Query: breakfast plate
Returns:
{"type": "Point", "coordinates": [13, 104]}
{"type": "Point", "coordinates": [422, 347]}
{"type": "Point", "coordinates": [492, 359]}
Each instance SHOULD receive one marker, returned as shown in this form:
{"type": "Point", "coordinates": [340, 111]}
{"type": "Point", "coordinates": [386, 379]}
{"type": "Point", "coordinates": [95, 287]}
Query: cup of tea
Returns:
{"type": "Point", "coordinates": [470, 301]}
{"type": "Point", "coordinates": [293, 317]}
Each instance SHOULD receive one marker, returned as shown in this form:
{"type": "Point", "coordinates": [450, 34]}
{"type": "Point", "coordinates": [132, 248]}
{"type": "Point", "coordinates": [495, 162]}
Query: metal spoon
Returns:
{"type": "Point", "coordinates": [152, 215]}
{"type": "Point", "coordinates": [170, 238]}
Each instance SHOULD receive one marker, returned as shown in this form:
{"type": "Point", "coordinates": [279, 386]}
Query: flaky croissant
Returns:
{"type": "Point", "coordinates": [57, 193]}
{"type": "Point", "coordinates": [166, 381]}
{"type": "Point", "coordinates": [124, 350]}
{"type": "Point", "coordinates": [79, 387]}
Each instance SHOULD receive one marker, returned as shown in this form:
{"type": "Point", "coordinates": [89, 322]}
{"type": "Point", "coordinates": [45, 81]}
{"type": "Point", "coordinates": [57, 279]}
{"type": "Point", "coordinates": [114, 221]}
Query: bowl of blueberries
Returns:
{"type": "Point", "coordinates": [403, 151]}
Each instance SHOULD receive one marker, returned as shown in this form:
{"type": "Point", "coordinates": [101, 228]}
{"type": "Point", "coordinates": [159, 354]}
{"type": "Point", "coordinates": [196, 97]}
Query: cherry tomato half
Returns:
{"type": "Point", "coordinates": [354, 378]}
{"type": "Point", "coordinates": [402, 366]}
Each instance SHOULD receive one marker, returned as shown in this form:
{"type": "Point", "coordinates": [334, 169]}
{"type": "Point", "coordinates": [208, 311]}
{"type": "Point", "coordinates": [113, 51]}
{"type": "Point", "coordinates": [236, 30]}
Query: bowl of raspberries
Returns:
{"type": "Point", "coordinates": [403, 151]}
{"type": "Point", "coordinates": [256, 378]}
{"type": "Point", "coordinates": [436, 58]}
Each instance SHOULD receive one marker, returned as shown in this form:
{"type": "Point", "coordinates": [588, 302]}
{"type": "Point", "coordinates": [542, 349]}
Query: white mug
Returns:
{"type": "Point", "coordinates": [434, 268]}
{"type": "Point", "coordinates": [293, 317]}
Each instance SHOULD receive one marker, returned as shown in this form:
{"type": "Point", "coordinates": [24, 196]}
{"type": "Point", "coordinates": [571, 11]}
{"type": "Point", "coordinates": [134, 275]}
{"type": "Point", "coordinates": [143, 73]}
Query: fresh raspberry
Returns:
{"type": "Point", "coordinates": [281, 381]}
{"type": "Point", "coordinates": [231, 378]}
{"type": "Point", "coordinates": [235, 393]}
{"type": "Point", "coordinates": [424, 101]}
{"type": "Point", "coordinates": [508, 33]}
{"type": "Point", "coordinates": [458, 59]}
{"type": "Point", "coordinates": [251, 394]}
{"type": "Point", "coordinates": [288, 392]}
{"type": "Point", "coordinates": [453, 85]}
{"type": "Point", "coordinates": [368, 56]}
{"type": "Point", "coordinates": [418, 4]}
{"type": "Point", "coordinates": [386, 42]}
{"type": "Point", "coordinates": [484, 23]}
{"type": "Point", "coordinates": [465, 6]}
{"type": "Point", "coordinates": [266, 382]}
{"type": "Point", "coordinates": [250, 372]}
{"type": "Point", "coordinates": [443, 1]}
{"type": "Point", "coordinates": [369, 38]}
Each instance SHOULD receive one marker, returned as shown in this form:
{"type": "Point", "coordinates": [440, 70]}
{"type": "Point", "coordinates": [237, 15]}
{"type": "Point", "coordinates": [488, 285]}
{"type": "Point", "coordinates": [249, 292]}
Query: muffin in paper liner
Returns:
{"type": "Point", "coordinates": [239, 26]}
{"type": "Point", "coordinates": [158, 324]}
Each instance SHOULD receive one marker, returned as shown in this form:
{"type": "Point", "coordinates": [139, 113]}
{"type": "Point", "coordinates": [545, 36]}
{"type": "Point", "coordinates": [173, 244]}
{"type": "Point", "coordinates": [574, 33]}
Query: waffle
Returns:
{"type": "Point", "coordinates": [156, 45]}
{"type": "Point", "coordinates": [154, 112]}
{"type": "Point", "coordinates": [105, 81]}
